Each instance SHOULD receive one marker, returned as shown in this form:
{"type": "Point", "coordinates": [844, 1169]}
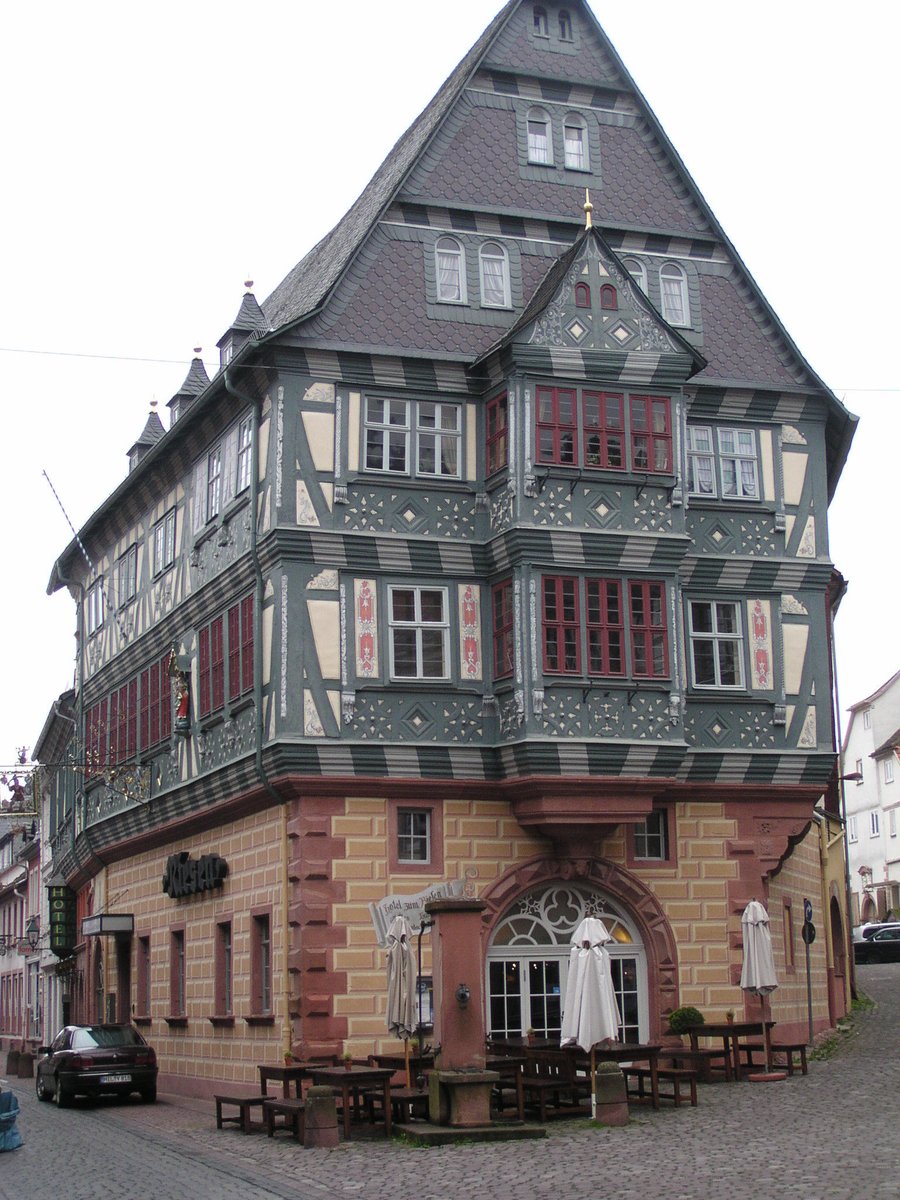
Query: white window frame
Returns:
{"type": "Point", "coordinates": [874, 824]}
{"type": "Point", "coordinates": [674, 304]}
{"type": "Point", "coordinates": [852, 830]}
{"type": "Point", "coordinates": [164, 543]}
{"type": "Point", "coordinates": [540, 26]}
{"type": "Point", "coordinates": [384, 432]}
{"type": "Point", "coordinates": [637, 271]}
{"type": "Point", "coordinates": [213, 482]}
{"type": "Point", "coordinates": [540, 148]}
{"type": "Point", "coordinates": [718, 639]}
{"type": "Point", "coordinates": [889, 769]}
{"type": "Point", "coordinates": [449, 249]}
{"type": "Point", "coordinates": [494, 252]}
{"type": "Point", "coordinates": [126, 577]}
{"type": "Point", "coordinates": [419, 627]}
{"type": "Point", "coordinates": [892, 822]}
{"type": "Point", "coordinates": [412, 839]}
{"type": "Point", "coordinates": [443, 442]}
{"type": "Point", "coordinates": [94, 608]}
{"type": "Point", "coordinates": [701, 461]}
{"type": "Point", "coordinates": [244, 453]}
{"type": "Point", "coordinates": [858, 770]}
{"type": "Point", "coordinates": [583, 162]}
{"type": "Point", "coordinates": [565, 26]}
{"type": "Point", "coordinates": [867, 718]}
{"type": "Point", "coordinates": [738, 463]}
{"type": "Point", "coordinates": [652, 835]}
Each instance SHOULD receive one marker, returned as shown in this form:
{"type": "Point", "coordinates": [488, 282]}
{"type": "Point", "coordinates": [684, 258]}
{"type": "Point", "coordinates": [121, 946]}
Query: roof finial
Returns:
{"type": "Point", "coordinates": [588, 209]}
{"type": "Point", "coordinates": [248, 284]}
{"type": "Point", "coordinates": [197, 350]}
{"type": "Point", "coordinates": [153, 404]}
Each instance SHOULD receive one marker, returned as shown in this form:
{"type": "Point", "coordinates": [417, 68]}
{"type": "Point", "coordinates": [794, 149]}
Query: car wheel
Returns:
{"type": "Point", "coordinates": [40, 1088]}
{"type": "Point", "coordinates": [148, 1094]}
{"type": "Point", "coordinates": [62, 1096]}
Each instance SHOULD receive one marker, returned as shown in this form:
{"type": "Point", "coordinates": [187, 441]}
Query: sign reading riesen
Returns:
{"type": "Point", "coordinates": [186, 876]}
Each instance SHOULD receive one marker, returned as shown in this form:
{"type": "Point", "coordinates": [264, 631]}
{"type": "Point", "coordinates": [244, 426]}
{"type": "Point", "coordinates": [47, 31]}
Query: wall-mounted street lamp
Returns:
{"type": "Point", "coordinates": [33, 932]}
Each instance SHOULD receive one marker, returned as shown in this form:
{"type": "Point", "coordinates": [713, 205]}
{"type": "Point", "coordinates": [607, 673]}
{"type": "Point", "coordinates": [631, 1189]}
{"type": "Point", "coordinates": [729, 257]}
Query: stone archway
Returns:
{"type": "Point", "coordinates": [656, 933]}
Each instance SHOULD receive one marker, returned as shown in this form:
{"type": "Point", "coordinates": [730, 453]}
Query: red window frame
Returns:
{"type": "Point", "coordinates": [496, 430]}
{"type": "Point", "coordinates": [217, 663]}
{"type": "Point", "coordinates": [650, 421]}
{"type": "Point", "coordinates": [582, 295]}
{"type": "Point", "coordinates": [603, 419]}
{"type": "Point", "coordinates": [165, 699]}
{"type": "Point", "coordinates": [561, 624]}
{"type": "Point", "coordinates": [557, 426]}
{"type": "Point", "coordinates": [131, 725]}
{"type": "Point", "coordinates": [648, 629]}
{"type": "Point", "coordinates": [609, 297]}
{"type": "Point", "coordinates": [504, 641]}
{"type": "Point", "coordinates": [605, 624]}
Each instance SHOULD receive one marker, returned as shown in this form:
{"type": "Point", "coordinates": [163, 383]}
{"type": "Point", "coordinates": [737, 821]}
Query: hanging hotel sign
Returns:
{"type": "Point", "coordinates": [185, 876]}
{"type": "Point", "coordinates": [411, 907]}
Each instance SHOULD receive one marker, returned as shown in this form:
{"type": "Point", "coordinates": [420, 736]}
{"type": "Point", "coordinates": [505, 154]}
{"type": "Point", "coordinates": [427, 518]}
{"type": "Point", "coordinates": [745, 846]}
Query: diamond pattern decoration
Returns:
{"type": "Point", "coordinates": [621, 333]}
{"type": "Point", "coordinates": [606, 508]}
{"type": "Point", "coordinates": [717, 729]}
{"type": "Point", "coordinates": [418, 721]}
{"type": "Point", "coordinates": [576, 330]}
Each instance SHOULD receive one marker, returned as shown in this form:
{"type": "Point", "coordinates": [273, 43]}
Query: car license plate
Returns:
{"type": "Point", "coordinates": [115, 1079]}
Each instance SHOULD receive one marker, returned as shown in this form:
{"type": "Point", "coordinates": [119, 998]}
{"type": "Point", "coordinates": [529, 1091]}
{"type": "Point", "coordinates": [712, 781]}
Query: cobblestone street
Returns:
{"type": "Point", "coordinates": [829, 1136]}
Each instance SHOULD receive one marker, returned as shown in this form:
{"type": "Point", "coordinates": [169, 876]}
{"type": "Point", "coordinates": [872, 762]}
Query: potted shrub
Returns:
{"type": "Point", "coordinates": [347, 1060]}
{"type": "Point", "coordinates": [681, 1019]}
{"type": "Point", "coordinates": [729, 1016]}
{"type": "Point", "coordinates": [610, 1098]}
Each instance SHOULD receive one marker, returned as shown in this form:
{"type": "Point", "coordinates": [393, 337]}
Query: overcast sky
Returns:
{"type": "Point", "coordinates": [154, 158]}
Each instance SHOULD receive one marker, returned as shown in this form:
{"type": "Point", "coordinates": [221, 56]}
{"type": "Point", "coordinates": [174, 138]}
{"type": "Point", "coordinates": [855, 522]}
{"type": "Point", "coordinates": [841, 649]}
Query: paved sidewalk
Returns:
{"type": "Point", "coordinates": [831, 1135]}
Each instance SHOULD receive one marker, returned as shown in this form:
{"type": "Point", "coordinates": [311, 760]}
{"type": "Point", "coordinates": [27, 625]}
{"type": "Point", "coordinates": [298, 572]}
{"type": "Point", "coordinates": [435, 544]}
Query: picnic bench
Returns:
{"type": "Point", "coordinates": [638, 1079]}
{"type": "Point", "coordinates": [783, 1050]}
{"type": "Point", "coordinates": [292, 1112]}
{"type": "Point", "coordinates": [553, 1075]}
{"type": "Point", "coordinates": [244, 1117]}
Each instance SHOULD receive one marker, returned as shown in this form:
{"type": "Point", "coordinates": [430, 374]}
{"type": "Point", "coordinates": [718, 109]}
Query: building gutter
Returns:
{"type": "Point", "coordinates": [256, 407]}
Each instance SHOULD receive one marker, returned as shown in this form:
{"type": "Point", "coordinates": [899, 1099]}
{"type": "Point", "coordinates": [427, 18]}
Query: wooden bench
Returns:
{"type": "Point", "coordinates": [783, 1050]}
{"type": "Point", "coordinates": [406, 1103]}
{"type": "Point", "coordinates": [675, 1076]}
{"type": "Point", "coordinates": [702, 1061]}
{"type": "Point", "coordinates": [553, 1074]}
{"type": "Point", "coordinates": [245, 1106]}
{"type": "Point", "coordinates": [292, 1112]}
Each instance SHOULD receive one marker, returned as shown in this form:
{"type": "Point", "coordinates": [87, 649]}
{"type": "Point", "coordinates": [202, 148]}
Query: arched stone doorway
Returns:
{"type": "Point", "coordinates": [532, 912]}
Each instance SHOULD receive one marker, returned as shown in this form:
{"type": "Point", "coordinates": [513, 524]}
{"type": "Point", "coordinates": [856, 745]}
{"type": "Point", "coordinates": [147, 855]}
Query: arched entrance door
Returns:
{"type": "Point", "coordinates": [528, 958]}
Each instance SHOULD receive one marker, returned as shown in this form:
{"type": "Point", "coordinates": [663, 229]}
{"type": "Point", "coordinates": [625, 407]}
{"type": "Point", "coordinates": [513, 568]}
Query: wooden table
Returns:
{"type": "Point", "coordinates": [633, 1052]}
{"type": "Point", "coordinates": [730, 1033]}
{"type": "Point", "coordinates": [351, 1081]}
{"type": "Point", "coordinates": [285, 1075]}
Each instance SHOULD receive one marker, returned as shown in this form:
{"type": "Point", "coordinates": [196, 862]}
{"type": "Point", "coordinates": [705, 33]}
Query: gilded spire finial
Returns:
{"type": "Point", "coordinates": [588, 209]}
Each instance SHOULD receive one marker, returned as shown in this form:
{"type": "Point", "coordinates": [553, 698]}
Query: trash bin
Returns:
{"type": "Point", "coordinates": [10, 1138]}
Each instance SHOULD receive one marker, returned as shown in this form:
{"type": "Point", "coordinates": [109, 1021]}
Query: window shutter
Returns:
{"type": "Point", "coordinates": [199, 513]}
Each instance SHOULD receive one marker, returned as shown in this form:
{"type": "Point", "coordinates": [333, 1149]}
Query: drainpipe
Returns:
{"type": "Point", "coordinates": [256, 406]}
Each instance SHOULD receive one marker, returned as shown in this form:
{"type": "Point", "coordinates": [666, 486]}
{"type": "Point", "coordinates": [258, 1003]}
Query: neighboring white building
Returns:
{"type": "Point", "coordinates": [872, 796]}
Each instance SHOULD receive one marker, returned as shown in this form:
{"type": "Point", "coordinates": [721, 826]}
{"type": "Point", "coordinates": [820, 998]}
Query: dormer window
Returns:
{"type": "Point", "coordinates": [609, 298]}
{"type": "Point", "coordinates": [582, 295]}
{"type": "Point", "coordinates": [540, 142]}
{"type": "Point", "coordinates": [637, 271]}
{"type": "Point", "coordinates": [450, 263]}
{"type": "Point", "coordinates": [540, 27]}
{"type": "Point", "coordinates": [133, 459]}
{"type": "Point", "coordinates": [565, 26]}
{"type": "Point", "coordinates": [494, 276]}
{"type": "Point", "coordinates": [226, 353]}
{"type": "Point", "coordinates": [673, 292]}
{"type": "Point", "coordinates": [576, 143]}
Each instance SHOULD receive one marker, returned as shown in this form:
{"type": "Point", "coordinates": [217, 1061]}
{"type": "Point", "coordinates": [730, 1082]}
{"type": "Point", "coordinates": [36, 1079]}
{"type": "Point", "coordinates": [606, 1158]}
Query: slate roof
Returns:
{"type": "Point", "coordinates": [195, 382]}
{"type": "Point", "coordinates": [308, 284]}
{"type": "Point", "coordinates": [153, 431]}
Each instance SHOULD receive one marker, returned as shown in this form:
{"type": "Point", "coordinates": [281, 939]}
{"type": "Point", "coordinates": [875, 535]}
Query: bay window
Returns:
{"type": "Point", "coordinates": [624, 629]}
{"type": "Point", "coordinates": [612, 431]}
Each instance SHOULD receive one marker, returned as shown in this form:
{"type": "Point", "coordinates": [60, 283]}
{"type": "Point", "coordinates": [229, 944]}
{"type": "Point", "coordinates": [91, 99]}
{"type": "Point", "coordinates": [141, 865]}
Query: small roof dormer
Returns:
{"type": "Point", "coordinates": [250, 322]}
{"type": "Point", "coordinates": [195, 384]}
{"type": "Point", "coordinates": [153, 431]}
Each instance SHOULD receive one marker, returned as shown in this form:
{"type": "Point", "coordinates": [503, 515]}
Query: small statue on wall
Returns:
{"type": "Point", "coordinates": [182, 687]}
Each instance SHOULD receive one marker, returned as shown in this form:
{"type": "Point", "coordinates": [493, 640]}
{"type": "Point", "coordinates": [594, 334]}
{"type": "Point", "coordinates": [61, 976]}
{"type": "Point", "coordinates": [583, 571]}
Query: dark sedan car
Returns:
{"type": "Point", "coordinates": [882, 946]}
{"type": "Point", "coordinates": [96, 1060]}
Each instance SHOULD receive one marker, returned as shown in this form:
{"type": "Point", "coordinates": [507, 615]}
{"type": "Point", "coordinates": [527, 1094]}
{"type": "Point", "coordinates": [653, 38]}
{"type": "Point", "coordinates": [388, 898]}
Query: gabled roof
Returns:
{"type": "Point", "coordinates": [308, 284]}
{"type": "Point", "coordinates": [195, 382]}
{"type": "Point", "coordinates": [877, 694]}
{"type": "Point", "coordinates": [152, 432]}
{"type": "Point", "coordinates": [548, 291]}
{"type": "Point", "coordinates": [891, 743]}
{"type": "Point", "coordinates": [250, 317]}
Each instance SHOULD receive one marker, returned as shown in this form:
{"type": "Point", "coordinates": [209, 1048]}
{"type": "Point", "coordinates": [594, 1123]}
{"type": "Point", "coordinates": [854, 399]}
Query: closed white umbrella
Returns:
{"type": "Point", "coordinates": [758, 971]}
{"type": "Point", "coordinates": [590, 1013]}
{"type": "Point", "coordinates": [401, 984]}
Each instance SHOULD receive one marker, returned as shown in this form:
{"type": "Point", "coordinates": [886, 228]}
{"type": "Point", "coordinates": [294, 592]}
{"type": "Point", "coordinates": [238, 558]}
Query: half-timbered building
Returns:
{"type": "Point", "coordinates": [493, 559]}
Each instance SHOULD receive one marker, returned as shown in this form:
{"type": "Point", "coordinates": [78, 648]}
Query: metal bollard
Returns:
{"type": "Point", "coordinates": [320, 1127]}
